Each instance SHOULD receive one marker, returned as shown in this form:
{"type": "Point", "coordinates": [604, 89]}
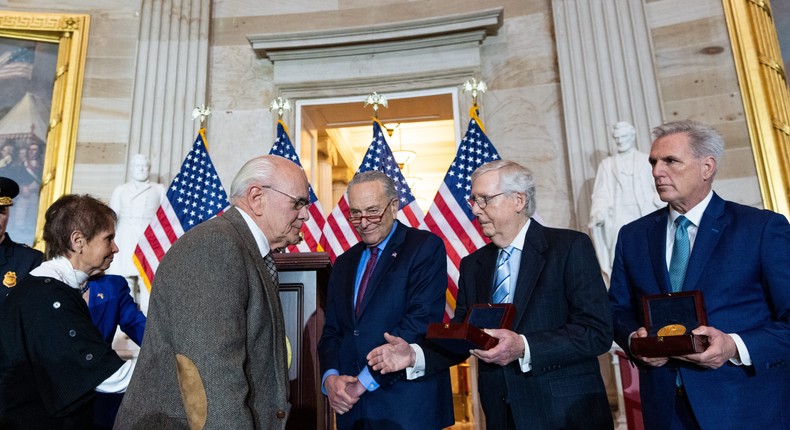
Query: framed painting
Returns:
{"type": "Point", "coordinates": [42, 63]}
{"type": "Point", "coordinates": [752, 25]}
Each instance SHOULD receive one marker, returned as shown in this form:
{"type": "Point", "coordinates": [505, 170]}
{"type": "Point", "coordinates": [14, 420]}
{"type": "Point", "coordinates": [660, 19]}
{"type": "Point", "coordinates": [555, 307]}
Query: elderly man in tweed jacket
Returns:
{"type": "Point", "coordinates": [214, 353]}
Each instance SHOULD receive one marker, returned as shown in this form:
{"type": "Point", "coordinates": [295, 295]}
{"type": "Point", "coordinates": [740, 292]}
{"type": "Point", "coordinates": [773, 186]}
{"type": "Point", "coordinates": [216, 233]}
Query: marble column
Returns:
{"type": "Point", "coordinates": [170, 81]}
{"type": "Point", "coordinates": [607, 75]}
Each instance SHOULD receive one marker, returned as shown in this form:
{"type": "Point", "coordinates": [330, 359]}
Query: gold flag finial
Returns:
{"type": "Point", "coordinates": [376, 100]}
{"type": "Point", "coordinates": [475, 87]}
{"type": "Point", "coordinates": [203, 112]}
{"type": "Point", "coordinates": [280, 105]}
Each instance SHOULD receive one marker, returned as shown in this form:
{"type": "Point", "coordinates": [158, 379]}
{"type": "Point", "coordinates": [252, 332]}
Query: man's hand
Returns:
{"type": "Point", "coordinates": [337, 390]}
{"type": "Point", "coordinates": [393, 356]}
{"type": "Point", "coordinates": [651, 361]}
{"type": "Point", "coordinates": [355, 390]}
{"type": "Point", "coordinates": [509, 348]}
{"type": "Point", "coordinates": [721, 348]}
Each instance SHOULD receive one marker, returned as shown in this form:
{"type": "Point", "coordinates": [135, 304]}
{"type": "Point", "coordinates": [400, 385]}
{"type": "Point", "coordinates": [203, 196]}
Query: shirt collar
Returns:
{"type": "Point", "coordinates": [518, 241]}
{"type": "Point", "coordinates": [694, 214]}
{"type": "Point", "coordinates": [260, 238]}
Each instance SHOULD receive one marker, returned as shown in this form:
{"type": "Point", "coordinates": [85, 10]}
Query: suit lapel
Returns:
{"type": "Point", "coordinates": [657, 247]}
{"type": "Point", "coordinates": [484, 274]}
{"type": "Point", "coordinates": [708, 234]}
{"type": "Point", "coordinates": [532, 262]}
{"type": "Point", "coordinates": [385, 259]}
{"type": "Point", "coordinates": [238, 223]}
{"type": "Point", "coordinates": [348, 284]}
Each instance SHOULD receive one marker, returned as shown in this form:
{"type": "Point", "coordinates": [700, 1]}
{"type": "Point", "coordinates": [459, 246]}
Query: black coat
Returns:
{"type": "Point", "coordinates": [52, 357]}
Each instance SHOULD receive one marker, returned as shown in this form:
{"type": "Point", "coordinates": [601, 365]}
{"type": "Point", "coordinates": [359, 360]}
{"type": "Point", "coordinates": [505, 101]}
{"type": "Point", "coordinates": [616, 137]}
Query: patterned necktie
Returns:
{"type": "Point", "coordinates": [271, 267]}
{"type": "Point", "coordinates": [502, 282]}
{"type": "Point", "coordinates": [681, 251]}
{"type": "Point", "coordinates": [363, 283]}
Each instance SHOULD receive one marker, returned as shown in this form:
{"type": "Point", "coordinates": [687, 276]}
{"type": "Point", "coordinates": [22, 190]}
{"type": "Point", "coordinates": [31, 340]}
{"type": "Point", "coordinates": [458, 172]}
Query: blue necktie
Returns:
{"type": "Point", "coordinates": [680, 254]}
{"type": "Point", "coordinates": [502, 282]}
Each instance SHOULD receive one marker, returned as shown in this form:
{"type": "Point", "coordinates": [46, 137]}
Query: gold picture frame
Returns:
{"type": "Point", "coordinates": [766, 99]}
{"type": "Point", "coordinates": [70, 33]}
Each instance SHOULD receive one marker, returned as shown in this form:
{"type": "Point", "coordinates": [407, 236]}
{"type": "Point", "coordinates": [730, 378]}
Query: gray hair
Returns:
{"type": "Point", "coordinates": [704, 140]}
{"type": "Point", "coordinates": [259, 170]}
{"type": "Point", "coordinates": [513, 178]}
{"type": "Point", "coordinates": [375, 176]}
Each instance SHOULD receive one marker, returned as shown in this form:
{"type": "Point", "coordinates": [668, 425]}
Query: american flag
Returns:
{"type": "Point", "coordinates": [339, 235]}
{"type": "Point", "coordinates": [449, 216]}
{"type": "Point", "coordinates": [194, 196]}
{"type": "Point", "coordinates": [16, 64]}
{"type": "Point", "coordinates": [311, 230]}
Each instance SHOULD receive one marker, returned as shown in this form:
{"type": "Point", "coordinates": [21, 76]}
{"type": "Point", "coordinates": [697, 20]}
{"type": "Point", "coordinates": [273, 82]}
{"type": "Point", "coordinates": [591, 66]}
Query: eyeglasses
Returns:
{"type": "Point", "coordinates": [298, 202]}
{"type": "Point", "coordinates": [482, 201]}
{"type": "Point", "coordinates": [374, 216]}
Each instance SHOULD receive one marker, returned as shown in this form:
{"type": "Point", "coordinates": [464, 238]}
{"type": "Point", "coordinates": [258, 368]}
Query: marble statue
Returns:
{"type": "Point", "coordinates": [623, 192]}
{"type": "Point", "coordinates": [135, 203]}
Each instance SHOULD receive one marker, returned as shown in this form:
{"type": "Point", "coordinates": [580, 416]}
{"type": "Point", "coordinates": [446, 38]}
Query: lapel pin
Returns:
{"type": "Point", "coordinates": [394, 254]}
{"type": "Point", "coordinates": [100, 295]}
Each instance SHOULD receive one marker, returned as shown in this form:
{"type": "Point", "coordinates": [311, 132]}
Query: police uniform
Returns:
{"type": "Point", "coordinates": [16, 259]}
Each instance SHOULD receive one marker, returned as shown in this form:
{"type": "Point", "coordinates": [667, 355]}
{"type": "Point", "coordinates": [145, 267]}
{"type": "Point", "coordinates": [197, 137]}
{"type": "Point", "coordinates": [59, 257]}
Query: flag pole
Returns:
{"type": "Point", "coordinates": [280, 105]}
{"type": "Point", "coordinates": [475, 87]}
{"type": "Point", "coordinates": [202, 112]}
{"type": "Point", "coordinates": [376, 100]}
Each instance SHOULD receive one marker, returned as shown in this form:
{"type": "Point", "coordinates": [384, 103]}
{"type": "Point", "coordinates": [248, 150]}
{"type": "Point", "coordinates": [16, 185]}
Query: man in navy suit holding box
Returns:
{"type": "Point", "coordinates": [739, 258]}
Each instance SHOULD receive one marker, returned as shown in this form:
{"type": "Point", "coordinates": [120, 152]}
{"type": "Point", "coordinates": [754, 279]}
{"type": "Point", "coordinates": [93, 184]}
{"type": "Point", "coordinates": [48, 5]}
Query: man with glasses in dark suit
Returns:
{"type": "Point", "coordinates": [543, 373]}
{"type": "Point", "coordinates": [393, 280]}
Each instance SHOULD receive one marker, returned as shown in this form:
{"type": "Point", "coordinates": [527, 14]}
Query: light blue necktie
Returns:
{"type": "Point", "coordinates": [681, 251]}
{"type": "Point", "coordinates": [502, 282]}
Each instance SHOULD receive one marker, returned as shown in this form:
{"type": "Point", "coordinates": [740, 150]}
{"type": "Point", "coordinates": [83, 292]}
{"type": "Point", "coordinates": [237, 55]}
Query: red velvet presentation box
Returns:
{"type": "Point", "coordinates": [668, 312]}
{"type": "Point", "coordinates": [461, 337]}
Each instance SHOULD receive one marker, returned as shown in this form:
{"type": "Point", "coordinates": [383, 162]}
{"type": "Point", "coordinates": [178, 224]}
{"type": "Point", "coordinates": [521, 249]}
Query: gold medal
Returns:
{"type": "Point", "coordinates": [672, 330]}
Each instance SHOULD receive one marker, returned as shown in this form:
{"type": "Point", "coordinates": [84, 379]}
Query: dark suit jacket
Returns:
{"type": "Point", "coordinates": [562, 311]}
{"type": "Point", "coordinates": [741, 263]}
{"type": "Point", "coordinates": [214, 304]}
{"type": "Point", "coordinates": [404, 294]}
{"type": "Point", "coordinates": [17, 258]}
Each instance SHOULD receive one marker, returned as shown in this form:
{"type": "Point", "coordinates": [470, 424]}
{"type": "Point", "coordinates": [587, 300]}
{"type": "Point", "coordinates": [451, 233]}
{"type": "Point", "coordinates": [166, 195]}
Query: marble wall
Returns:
{"type": "Point", "coordinates": [523, 109]}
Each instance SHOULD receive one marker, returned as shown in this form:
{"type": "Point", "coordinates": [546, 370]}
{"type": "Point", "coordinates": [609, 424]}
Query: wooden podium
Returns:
{"type": "Point", "coordinates": [303, 283]}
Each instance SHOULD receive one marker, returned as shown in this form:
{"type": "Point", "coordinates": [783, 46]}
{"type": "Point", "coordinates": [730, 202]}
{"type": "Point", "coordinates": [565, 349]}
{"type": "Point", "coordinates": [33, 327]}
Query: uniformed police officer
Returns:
{"type": "Point", "coordinates": [16, 260]}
